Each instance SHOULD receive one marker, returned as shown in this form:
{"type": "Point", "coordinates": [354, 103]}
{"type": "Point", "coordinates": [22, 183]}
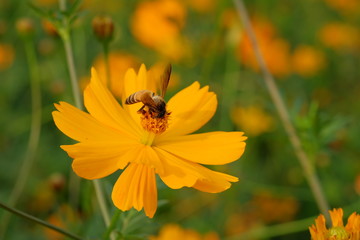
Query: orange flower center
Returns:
{"type": "Point", "coordinates": [338, 233]}
{"type": "Point", "coordinates": [154, 124]}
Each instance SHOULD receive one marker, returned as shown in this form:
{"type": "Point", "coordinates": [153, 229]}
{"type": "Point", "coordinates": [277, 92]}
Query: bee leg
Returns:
{"type": "Point", "coordinates": [141, 110]}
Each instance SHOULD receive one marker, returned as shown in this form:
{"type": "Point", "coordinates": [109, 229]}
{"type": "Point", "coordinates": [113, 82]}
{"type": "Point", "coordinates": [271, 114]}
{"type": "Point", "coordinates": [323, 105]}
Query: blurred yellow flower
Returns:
{"type": "Point", "coordinates": [307, 60]}
{"type": "Point", "coordinates": [340, 36]}
{"type": "Point", "coordinates": [253, 120]}
{"type": "Point", "coordinates": [175, 232]}
{"type": "Point", "coordinates": [240, 222]}
{"type": "Point", "coordinates": [64, 217]}
{"type": "Point", "coordinates": [113, 136]}
{"type": "Point", "coordinates": [347, 6]}
{"type": "Point", "coordinates": [119, 63]}
{"type": "Point", "coordinates": [7, 56]}
{"type": "Point", "coordinates": [271, 208]}
{"type": "Point", "coordinates": [351, 231]}
{"type": "Point", "coordinates": [202, 6]}
{"type": "Point", "coordinates": [275, 50]}
{"type": "Point", "coordinates": [157, 24]}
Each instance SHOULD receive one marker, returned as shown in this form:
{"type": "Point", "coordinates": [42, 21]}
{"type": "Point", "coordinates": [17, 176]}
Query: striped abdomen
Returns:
{"type": "Point", "coordinates": [139, 96]}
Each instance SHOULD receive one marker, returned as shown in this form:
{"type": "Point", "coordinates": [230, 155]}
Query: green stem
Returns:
{"type": "Point", "coordinates": [39, 221]}
{"type": "Point", "coordinates": [107, 65]}
{"type": "Point", "coordinates": [72, 70]}
{"type": "Point", "coordinates": [101, 200]}
{"type": "Point", "coordinates": [308, 169]}
{"type": "Point", "coordinates": [267, 232]}
{"type": "Point", "coordinates": [65, 35]}
{"type": "Point", "coordinates": [112, 225]}
{"type": "Point", "coordinates": [35, 130]}
{"type": "Point", "coordinates": [229, 90]}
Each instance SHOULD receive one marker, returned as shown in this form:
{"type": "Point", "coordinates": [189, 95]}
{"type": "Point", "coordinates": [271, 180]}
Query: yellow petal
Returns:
{"type": "Point", "coordinates": [136, 187]}
{"type": "Point", "coordinates": [181, 173]}
{"type": "Point", "coordinates": [336, 216]}
{"type": "Point", "coordinates": [132, 83]}
{"type": "Point", "coordinates": [213, 148]}
{"type": "Point", "coordinates": [143, 154]}
{"type": "Point", "coordinates": [218, 182]}
{"type": "Point", "coordinates": [103, 106]}
{"type": "Point", "coordinates": [190, 109]}
{"type": "Point", "coordinates": [81, 126]}
{"type": "Point", "coordinates": [94, 160]}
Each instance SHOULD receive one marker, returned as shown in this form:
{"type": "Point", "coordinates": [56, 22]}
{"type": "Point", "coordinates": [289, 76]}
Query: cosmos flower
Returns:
{"type": "Point", "coordinates": [158, 25]}
{"type": "Point", "coordinates": [175, 232]}
{"type": "Point", "coordinates": [338, 231]}
{"type": "Point", "coordinates": [307, 60]}
{"type": "Point", "coordinates": [115, 136]}
{"type": "Point", "coordinates": [253, 119]}
{"type": "Point", "coordinates": [119, 63]}
{"type": "Point", "coordinates": [275, 50]}
{"type": "Point", "coordinates": [339, 36]}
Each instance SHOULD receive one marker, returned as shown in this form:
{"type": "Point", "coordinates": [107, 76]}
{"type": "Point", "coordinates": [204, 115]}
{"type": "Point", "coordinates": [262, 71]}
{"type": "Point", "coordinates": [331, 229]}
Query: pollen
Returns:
{"type": "Point", "coordinates": [154, 124]}
{"type": "Point", "coordinates": [338, 233]}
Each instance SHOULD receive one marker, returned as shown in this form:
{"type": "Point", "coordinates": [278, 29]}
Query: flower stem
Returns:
{"type": "Point", "coordinates": [266, 232]}
{"type": "Point", "coordinates": [65, 36]}
{"type": "Point", "coordinates": [308, 169]}
{"type": "Point", "coordinates": [114, 220]}
{"type": "Point", "coordinates": [39, 221]}
{"type": "Point", "coordinates": [107, 65]}
{"type": "Point", "coordinates": [35, 130]}
{"type": "Point", "coordinates": [229, 88]}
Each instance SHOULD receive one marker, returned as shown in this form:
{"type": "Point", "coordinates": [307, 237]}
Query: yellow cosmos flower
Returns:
{"type": "Point", "coordinates": [119, 63]}
{"type": "Point", "coordinates": [337, 232]}
{"type": "Point", "coordinates": [7, 55]}
{"type": "Point", "coordinates": [307, 60]}
{"type": "Point", "coordinates": [175, 232]}
{"type": "Point", "coordinates": [340, 36]}
{"type": "Point", "coordinates": [112, 137]}
{"type": "Point", "coordinates": [275, 50]}
{"type": "Point", "coordinates": [253, 119]}
{"type": "Point", "coordinates": [158, 24]}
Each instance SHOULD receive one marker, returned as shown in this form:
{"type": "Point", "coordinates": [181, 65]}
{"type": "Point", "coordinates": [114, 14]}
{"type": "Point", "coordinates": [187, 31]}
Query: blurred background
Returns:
{"type": "Point", "coordinates": [312, 49]}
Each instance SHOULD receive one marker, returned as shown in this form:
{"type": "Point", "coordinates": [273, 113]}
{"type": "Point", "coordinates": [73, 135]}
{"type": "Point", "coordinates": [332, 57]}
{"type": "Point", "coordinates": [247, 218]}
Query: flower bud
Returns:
{"type": "Point", "coordinates": [25, 26]}
{"type": "Point", "coordinates": [49, 28]}
{"type": "Point", "coordinates": [103, 28]}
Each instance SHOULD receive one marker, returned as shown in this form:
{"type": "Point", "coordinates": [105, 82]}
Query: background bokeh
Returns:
{"type": "Point", "coordinates": [311, 47]}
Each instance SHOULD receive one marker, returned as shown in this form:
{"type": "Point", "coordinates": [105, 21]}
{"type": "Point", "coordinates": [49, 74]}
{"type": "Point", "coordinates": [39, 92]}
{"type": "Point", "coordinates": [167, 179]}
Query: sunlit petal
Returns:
{"type": "Point", "coordinates": [94, 160]}
{"type": "Point", "coordinates": [181, 173]}
{"type": "Point", "coordinates": [211, 148]}
{"type": "Point", "coordinates": [136, 187]}
{"type": "Point", "coordinates": [81, 126]}
{"type": "Point", "coordinates": [103, 106]}
{"type": "Point", "coordinates": [190, 109]}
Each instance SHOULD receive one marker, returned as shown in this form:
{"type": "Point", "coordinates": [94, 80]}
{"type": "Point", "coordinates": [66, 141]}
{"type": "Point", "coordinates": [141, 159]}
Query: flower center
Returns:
{"type": "Point", "coordinates": [153, 124]}
{"type": "Point", "coordinates": [338, 233]}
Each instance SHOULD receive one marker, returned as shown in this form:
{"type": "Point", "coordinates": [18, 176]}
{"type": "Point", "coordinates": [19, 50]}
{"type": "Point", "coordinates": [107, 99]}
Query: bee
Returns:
{"type": "Point", "coordinates": [153, 103]}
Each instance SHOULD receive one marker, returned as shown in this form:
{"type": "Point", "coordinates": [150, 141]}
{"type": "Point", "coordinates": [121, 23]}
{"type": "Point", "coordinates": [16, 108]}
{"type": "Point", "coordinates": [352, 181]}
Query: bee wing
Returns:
{"type": "Point", "coordinates": [146, 98]}
{"type": "Point", "coordinates": [164, 81]}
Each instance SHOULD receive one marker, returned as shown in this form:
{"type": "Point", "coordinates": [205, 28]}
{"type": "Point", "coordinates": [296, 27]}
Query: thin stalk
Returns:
{"type": "Point", "coordinates": [112, 225]}
{"type": "Point", "coordinates": [267, 232]}
{"type": "Point", "coordinates": [39, 221]}
{"type": "Point", "coordinates": [35, 130]}
{"type": "Point", "coordinates": [65, 35]}
{"type": "Point", "coordinates": [107, 65]}
{"type": "Point", "coordinates": [228, 89]}
{"type": "Point", "coordinates": [101, 200]}
{"type": "Point", "coordinates": [307, 167]}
